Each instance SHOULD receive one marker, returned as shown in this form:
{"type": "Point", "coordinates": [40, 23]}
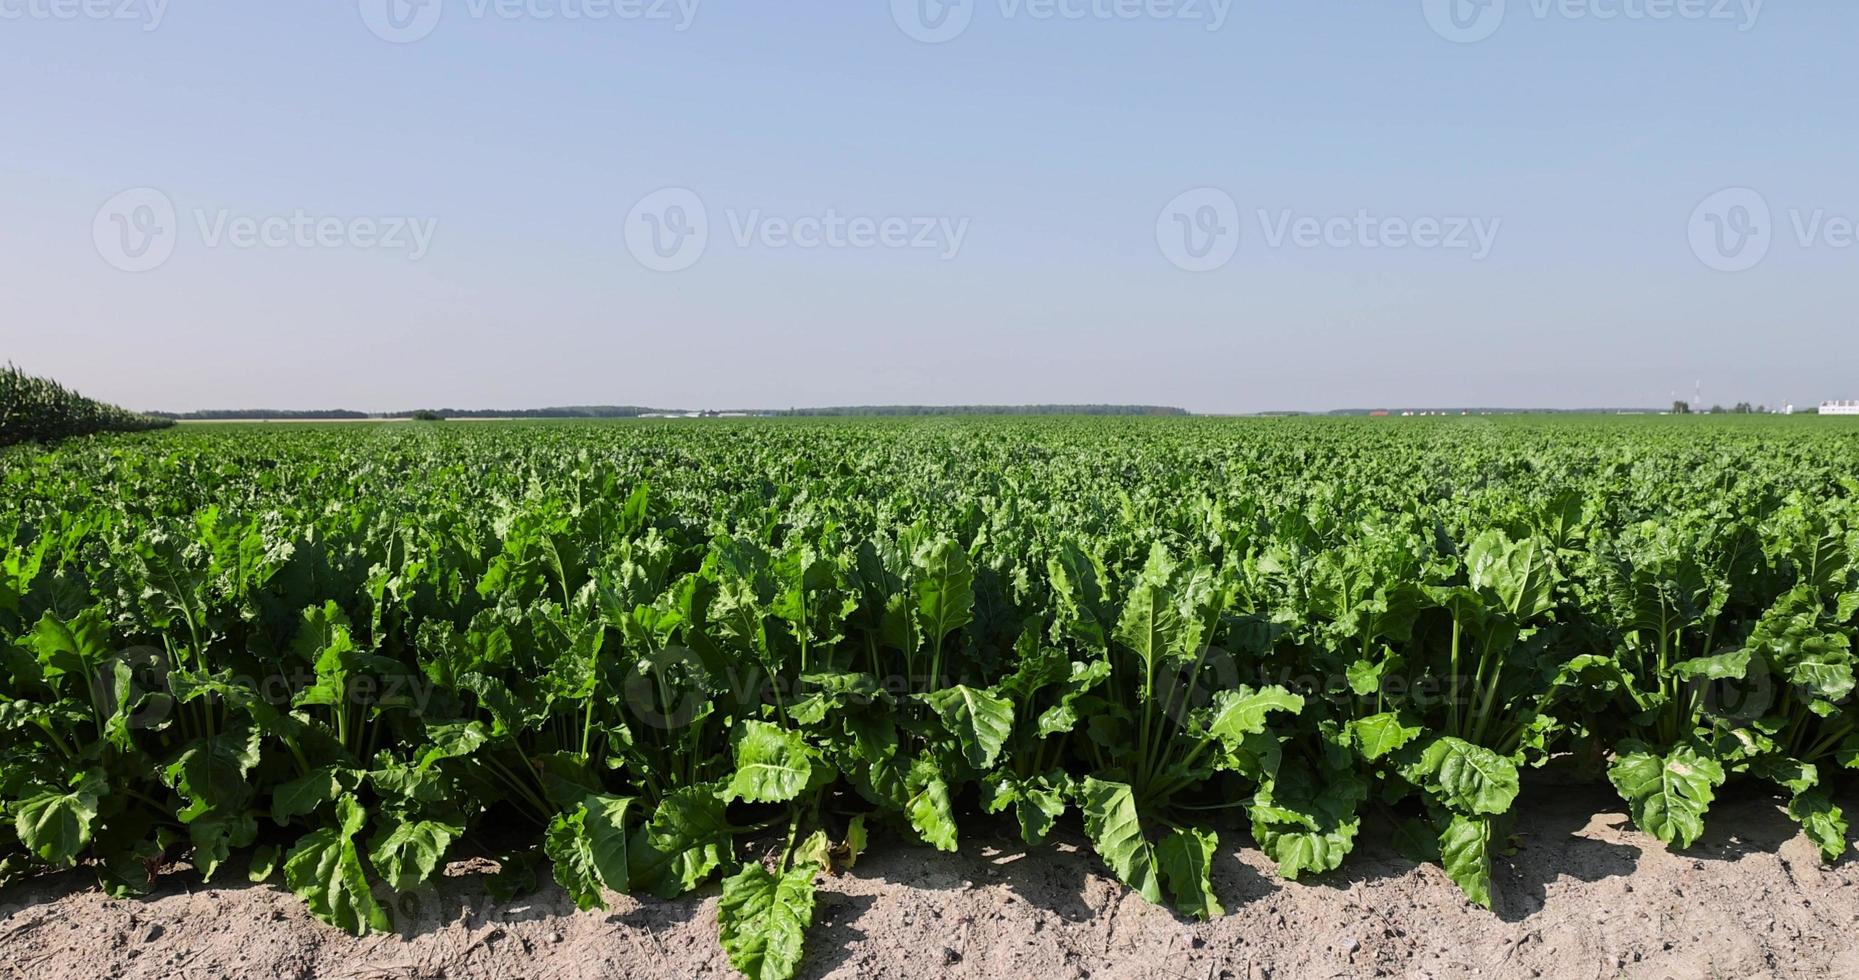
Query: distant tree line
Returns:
{"type": "Point", "coordinates": [560, 412]}
{"type": "Point", "coordinates": [267, 415]}
{"type": "Point", "coordinates": [1598, 410]}
{"type": "Point", "coordinates": [345, 415]}
{"type": "Point", "coordinates": [983, 410]}
{"type": "Point", "coordinates": [637, 411]}
{"type": "Point", "coordinates": [40, 410]}
{"type": "Point", "coordinates": [1740, 408]}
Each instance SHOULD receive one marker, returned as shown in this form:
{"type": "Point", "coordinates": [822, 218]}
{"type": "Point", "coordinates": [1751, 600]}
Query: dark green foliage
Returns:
{"type": "Point", "coordinates": [716, 653]}
{"type": "Point", "coordinates": [37, 410]}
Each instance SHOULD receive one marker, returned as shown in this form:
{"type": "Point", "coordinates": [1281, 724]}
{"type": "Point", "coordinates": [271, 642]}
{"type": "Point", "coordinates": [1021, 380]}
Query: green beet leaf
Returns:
{"type": "Point", "coordinates": [1822, 821]}
{"type": "Point", "coordinates": [408, 852]}
{"type": "Point", "coordinates": [763, 918]}
{"type": "Point", "coordinates": [325, 869]}
{"type": "Point", "coordinates": [1667, 795]}
{"type": "Point", "coordinates": [1465, 851]}
{"type": "Point", "coordinates": [56, 825]}
{"type": "Point", "coordinates": [1115, 829]}
{"type": "Point", "coordinates": [1468, 778]}
{"type": "Point", "coordinates": [773, 764]}
{"type": "Point", "coordinates": [980, 721]}
{"type": "Point", "coordinates": [1185, 858]}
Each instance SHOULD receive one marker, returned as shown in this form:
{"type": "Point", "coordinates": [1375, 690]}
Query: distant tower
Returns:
{"type": "Point", "coordinates": [1697, 397]}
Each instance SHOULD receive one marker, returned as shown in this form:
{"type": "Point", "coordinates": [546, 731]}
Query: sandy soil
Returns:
{"type": "Point", "coordinates": [1582, 897]}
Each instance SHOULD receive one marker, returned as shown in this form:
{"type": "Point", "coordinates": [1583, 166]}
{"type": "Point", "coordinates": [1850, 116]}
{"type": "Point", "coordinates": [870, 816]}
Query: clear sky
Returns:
{"type": "Point", "coordinates": [1229, 207]}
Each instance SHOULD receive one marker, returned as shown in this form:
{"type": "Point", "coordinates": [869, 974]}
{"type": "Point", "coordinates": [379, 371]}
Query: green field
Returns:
{"type": "Point", "coordinates": [657, 656]}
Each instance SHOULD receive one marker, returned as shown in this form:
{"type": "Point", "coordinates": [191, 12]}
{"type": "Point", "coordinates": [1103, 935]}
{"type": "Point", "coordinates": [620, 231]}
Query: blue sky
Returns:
{"type": "Point", "coordinates": [1410, 215]}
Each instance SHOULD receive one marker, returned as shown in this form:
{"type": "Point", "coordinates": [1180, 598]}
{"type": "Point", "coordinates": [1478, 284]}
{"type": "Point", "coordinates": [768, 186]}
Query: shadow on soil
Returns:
{"type": "Point", "coordinates": [1052, 877]}
{"type": "Point", "coordinates": [1550, 845]}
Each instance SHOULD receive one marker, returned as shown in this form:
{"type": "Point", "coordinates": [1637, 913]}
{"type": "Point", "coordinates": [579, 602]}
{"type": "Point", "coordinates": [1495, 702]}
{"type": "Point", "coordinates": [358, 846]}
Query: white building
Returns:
{"type": "Point", "coordinates": [1839, 408]}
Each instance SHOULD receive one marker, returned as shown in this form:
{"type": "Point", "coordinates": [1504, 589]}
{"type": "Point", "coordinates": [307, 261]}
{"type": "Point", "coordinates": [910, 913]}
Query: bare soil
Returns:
{"type": "Point", "coordinates": [1583, 896]}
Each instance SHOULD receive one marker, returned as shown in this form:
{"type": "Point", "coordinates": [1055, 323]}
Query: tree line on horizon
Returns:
{"type": "Point", "coordinates": [635, 411]}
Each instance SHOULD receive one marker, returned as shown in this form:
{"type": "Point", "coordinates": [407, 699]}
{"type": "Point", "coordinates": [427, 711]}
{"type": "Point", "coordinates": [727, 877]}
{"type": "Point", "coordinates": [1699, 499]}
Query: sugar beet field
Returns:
{"type": "Point", "coordinates": [748, 659]}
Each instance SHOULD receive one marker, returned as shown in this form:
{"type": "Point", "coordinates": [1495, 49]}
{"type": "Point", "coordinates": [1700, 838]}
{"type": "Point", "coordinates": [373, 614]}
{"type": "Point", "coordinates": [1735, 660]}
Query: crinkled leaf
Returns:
{"type": "Point", "coordinates": [847, 854]}
{"type": "Point", "coordinates": [301, 796]}
{"type": "Point", "coordinates": [773, 764]}
{"type": "Point", "coordinates": [944, 588]}
{"type": "Point", "coordinates": [980, 721]}
{"type": "Point", "coordinates": [1151, 624]}
{"type": "Point", "coordinates": [1468, 778]}
{"type": "Point", "coordinates": [1184, 858]}
{"type": "Point", "coordinates": [1115, 829]}
{"type": "Point", "coordinates": [73, 647]}
{"type": "Point", "coordinates": [1038, 801]}
{"type": "Point", "coordinates": [264, 865]}
{"type": "Point", "coordinates": [1518, 573]}
{"type": "Point", "coordinates": [1237, 714]}
{"type": "Point", "coordinates": [1733, 665]}
{"type": "Point", "coordinates": [1305, 822]}
{"type": "Point", "coordinates": [682, 844]}
{"type": "Point", "coordinates": [408, 852]}
{"type": "Point", "coordinates": [1465, 852]}
{"type": "Point", "coordinates": [215, 835]}
{"type": "Point", "coordinates": [763, 919]}
{"type": "Point", "coordinates": [1667, 795]}
{"type": "Point", "coordinates": [1062, 717]}
{"type": "Point", "coordinates": [932, 814]}
{"type": "Point", "coordinates": [1822, 821]}
{"type": "Point", "coordinates": [568, 846]}
{"type": "Point", "coordinates": [55, 825]}
{"type": "Point", "coordinates": [1379, 735]}
{"type": "Point", "coordinates": [325, 870]}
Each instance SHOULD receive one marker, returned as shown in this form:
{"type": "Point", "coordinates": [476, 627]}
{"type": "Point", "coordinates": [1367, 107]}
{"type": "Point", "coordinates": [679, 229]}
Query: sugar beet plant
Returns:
{"type": "Point", "coordinates": [652, 659]}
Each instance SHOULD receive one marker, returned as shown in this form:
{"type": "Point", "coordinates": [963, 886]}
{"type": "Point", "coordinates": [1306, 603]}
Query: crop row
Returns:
{"type": "Point", "coordinates": [734, 653]}
{"type": "Point", "coordinates": [37, 410]}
